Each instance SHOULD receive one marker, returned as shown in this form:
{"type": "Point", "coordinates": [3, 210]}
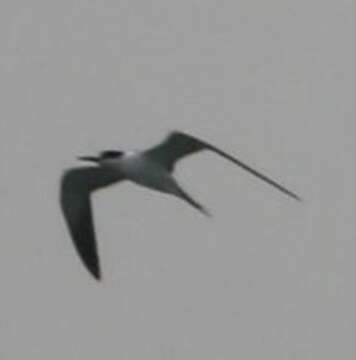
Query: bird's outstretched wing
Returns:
{"type": "Point", "coordinates": [178, 145]}
{"type": "Point", "coordinates": [76, 186]}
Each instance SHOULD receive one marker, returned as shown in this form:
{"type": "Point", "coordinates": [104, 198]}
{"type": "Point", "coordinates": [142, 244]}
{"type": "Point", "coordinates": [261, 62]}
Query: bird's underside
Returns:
{"type": "Point", "coordinates": [78, 183]}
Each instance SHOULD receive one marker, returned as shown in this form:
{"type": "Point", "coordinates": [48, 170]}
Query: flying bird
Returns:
{"type": "Point", "coordinates": [151, 168]}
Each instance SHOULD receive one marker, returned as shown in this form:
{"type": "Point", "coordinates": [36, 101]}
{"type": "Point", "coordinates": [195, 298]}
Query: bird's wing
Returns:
{"type": "Point", "coordinates": [76, 187]}
{"type": "Point", "coordinates": [178, 145]}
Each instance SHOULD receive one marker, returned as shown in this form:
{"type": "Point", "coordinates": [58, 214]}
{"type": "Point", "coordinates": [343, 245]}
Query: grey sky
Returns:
{"type": "Point", "coordinates": [267, 278]}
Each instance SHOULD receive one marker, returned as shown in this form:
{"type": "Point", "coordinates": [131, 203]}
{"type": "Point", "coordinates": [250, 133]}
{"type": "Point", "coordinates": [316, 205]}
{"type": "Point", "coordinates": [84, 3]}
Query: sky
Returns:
{"type": "Point", "coordinates": [272, 83]}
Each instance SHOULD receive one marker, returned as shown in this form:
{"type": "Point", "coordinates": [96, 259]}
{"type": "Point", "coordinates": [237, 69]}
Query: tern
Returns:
{"type": "Point", "coordinates": [151, 168]}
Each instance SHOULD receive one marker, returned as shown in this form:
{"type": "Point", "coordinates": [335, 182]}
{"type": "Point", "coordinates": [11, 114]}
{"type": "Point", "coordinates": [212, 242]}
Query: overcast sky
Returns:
{"type": "Point", "coordinates": [272, 82]}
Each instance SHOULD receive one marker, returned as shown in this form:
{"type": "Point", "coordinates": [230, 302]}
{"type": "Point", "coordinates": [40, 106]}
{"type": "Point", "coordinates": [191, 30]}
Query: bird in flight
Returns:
{"type": "Point", "coordinates": [151, 168]}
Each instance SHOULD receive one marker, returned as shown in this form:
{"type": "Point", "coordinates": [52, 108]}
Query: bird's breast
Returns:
{"type": "Point", "coordinates": [145, 172]}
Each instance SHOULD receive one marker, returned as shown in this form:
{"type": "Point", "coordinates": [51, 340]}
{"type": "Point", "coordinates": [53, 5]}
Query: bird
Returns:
{"type": "Point", "coordinates": [152, 168]}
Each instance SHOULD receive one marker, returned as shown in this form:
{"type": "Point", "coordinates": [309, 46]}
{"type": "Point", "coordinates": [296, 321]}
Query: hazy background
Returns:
{"type": "Point", "coordinates": [267, 278]}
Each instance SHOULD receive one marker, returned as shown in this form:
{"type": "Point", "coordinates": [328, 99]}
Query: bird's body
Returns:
{"type": "Point", "coordinates": [143, 170]}
{"type": "Point", "coordinates": [152, 168]}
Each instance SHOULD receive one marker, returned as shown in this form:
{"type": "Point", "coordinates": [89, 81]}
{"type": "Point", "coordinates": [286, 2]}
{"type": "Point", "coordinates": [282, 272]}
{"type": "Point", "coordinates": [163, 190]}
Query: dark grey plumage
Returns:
{"type": "Point", "coordinates": [77, 185]}
{"type": "Point", "coordinates": [178, 145]}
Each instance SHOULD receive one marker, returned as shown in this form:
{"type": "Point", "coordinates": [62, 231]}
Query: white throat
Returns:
{"type": "Point", "coordinates": [131, 153]}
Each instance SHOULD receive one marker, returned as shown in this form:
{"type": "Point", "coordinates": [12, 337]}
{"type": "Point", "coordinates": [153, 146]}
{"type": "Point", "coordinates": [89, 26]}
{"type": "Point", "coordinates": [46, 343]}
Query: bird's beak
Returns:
{"type": "Point", "coordinates": [88, 158]}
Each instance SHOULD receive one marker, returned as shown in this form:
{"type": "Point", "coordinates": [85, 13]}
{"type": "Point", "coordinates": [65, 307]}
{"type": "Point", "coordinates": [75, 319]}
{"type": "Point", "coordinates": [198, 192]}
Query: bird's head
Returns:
{"type": "Point", "coordinates": [104, 155]}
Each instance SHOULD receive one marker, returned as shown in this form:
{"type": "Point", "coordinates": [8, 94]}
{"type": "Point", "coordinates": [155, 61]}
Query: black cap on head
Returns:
{"type": "Point", "coordinates": [111, 154]}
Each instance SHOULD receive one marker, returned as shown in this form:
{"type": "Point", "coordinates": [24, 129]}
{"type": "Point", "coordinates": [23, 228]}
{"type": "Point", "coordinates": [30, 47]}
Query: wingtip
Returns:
{"type": "Point", "coordinates": [97, 277]}
{"type": "Point", "coordinates": [296, 197]}
{"type": "Point", "coordinates": [207, 213]}
{"type": "Point", "coordinates": [96, 273]}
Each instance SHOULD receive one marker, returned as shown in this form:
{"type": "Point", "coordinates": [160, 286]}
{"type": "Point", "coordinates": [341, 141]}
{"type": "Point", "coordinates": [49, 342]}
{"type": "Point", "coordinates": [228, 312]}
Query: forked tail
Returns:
{"type": "Point", "coordinates": [184, 196]}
